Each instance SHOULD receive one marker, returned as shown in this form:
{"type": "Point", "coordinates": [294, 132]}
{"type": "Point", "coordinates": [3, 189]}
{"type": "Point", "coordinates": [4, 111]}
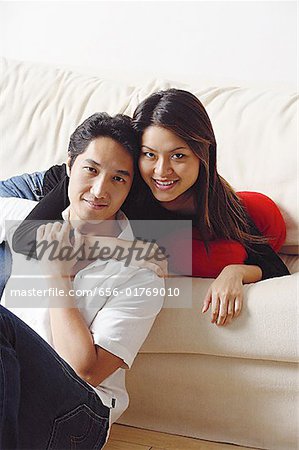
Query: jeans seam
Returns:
{"type": "Point", "coordinates": [103, 419]}
{"type": "Point", "coordinates": [52, 438]}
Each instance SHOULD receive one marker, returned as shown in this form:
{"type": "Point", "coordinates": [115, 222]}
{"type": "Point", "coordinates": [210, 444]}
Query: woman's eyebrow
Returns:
{"type": "Point", "coordinates": [170, 151]}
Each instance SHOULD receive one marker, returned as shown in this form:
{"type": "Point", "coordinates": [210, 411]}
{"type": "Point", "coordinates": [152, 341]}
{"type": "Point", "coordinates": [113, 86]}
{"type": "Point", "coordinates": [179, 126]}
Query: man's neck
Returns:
{"type": "Point", "coordinates": [95, 228]}
{"type": "Point", "coordinates": [104, 228]}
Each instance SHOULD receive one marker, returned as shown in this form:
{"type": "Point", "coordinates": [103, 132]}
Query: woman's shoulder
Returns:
{"type": "Point", "coordinates": [255, 198]}
{"type": "Point", "coordinates": [257, 203]}
{"type": "Point", "coordinates": [266, 216]}
{"type": "Point", "coordinates": [53, 176]}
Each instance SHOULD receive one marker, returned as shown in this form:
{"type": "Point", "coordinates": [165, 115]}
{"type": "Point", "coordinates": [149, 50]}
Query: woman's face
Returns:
{"type": "Point", "coordinates": [167, 164]}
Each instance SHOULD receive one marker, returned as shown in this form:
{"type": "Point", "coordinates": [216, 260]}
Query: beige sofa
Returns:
{"type": "Point", "coordinates": [235, 384]}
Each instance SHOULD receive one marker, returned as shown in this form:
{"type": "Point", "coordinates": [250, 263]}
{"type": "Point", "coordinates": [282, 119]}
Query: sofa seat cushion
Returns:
{"type": "Point", "coordinates": [247, 402]}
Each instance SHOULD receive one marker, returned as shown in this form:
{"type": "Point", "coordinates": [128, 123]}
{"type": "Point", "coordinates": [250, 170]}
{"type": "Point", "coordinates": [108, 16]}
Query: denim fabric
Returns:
{"type": "Point", "coordinates": [5, 266]}
{"type": "Point", "coordinates": [44, 404]}
{"type": "Point", "coordinates": [29, 186]}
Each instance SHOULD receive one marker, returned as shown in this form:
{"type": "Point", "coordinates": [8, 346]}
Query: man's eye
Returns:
{"type": "Point", "coordinates": [178, 156]}
{"type": "Point", "coordinates": [89, 169]}
{"type": "Point", "coordinates": [119, 179]}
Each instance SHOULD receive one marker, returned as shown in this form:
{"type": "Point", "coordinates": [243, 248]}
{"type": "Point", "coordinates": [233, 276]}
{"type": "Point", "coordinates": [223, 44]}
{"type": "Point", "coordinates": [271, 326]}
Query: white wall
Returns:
{"type": "Point", "coordinates": [252, 42]}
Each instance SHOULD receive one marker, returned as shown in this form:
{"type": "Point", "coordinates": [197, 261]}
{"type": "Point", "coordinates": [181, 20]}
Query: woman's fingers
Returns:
{"type": "Point", "coordinates": [229, 308]}
{"type": "Point", "coordinates": [223, 310]}
{"type": "Point", "coordinates": [238, 305]}
{"type": "Point", "coordinates": [207, 301]}
{"type": "Point", "coordinates": [230, 311]}
{"type": "Point", "coordinates": [215, 307]}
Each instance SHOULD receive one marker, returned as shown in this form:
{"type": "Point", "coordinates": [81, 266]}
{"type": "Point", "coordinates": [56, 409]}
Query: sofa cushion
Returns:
{"type": "Point", "coordinates": [251, 403]}
{"type": "Point", "coordinates": [42, 105]}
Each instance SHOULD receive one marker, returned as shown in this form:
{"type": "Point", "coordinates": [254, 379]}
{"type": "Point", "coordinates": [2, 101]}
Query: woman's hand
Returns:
{"type": "Point", "coordinates": [226, 295]}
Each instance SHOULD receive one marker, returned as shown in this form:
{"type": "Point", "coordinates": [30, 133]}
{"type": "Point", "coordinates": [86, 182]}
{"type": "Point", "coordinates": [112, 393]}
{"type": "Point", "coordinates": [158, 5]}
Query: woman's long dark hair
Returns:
{"type": "Point", "coordinates": [220, 212]}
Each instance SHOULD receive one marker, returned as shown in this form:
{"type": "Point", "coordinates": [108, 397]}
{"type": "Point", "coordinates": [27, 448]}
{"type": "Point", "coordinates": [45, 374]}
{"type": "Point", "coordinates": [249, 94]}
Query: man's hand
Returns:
{"type": "Point", "coordinates": [57, 252]}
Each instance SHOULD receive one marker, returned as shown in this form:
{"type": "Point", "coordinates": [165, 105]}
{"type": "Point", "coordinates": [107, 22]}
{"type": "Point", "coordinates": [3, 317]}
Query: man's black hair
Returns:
{"type": "Point", "coordinates": [101, 124]}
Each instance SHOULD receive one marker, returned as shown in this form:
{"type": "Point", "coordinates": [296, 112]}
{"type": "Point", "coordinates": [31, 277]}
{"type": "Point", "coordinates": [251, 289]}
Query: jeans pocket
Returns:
{"type": "Point", "coordinates": [79, 429]}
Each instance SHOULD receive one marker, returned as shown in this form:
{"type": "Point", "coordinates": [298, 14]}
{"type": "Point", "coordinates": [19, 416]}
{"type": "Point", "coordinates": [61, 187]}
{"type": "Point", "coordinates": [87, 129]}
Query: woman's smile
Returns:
{"type": "Point", "coordinates": [165, 185]}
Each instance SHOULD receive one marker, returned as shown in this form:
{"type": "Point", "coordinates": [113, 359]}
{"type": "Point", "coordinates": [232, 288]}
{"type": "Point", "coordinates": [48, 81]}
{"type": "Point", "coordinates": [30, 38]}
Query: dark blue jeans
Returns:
{"type": "Point", "coordinates": [29, 186]}
{"type": "Point", "coordinates": [43, 403]}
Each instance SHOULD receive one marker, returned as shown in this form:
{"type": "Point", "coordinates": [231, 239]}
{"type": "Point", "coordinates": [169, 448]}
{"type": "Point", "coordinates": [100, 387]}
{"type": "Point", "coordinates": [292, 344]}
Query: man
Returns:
{"type": "Point", "coordinates": [65, 394]}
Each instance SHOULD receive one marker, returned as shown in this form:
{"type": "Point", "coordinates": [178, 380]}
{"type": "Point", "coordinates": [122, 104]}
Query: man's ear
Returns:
{"type": "Point", "coordinates": [68, 166]}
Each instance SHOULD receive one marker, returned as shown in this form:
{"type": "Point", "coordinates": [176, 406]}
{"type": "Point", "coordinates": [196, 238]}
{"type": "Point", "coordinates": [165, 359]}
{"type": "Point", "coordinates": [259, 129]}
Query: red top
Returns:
{"type": "Point", "coordinates": [268, 220]}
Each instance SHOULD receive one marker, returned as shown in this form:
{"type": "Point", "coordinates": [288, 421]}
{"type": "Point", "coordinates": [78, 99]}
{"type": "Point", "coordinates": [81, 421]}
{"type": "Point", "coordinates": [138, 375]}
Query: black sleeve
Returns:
{"type": "Point", "coordinates": [49, 209]}
{"type": "Point", "coordinates": [263, 256]}
{"type": "Point", "coordinates": [52, 177]}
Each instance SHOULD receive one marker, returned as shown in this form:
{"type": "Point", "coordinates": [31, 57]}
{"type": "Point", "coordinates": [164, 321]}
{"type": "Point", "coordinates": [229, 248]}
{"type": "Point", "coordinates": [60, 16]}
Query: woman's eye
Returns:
{"type": "Point", "coordinates": [149, 155]}
{"type": "Point", "coordinates": [119, 179]}
{"type": "Point", "coordinates": [178, 156]}
{"type": "Point", "coordinates": [89, 169]}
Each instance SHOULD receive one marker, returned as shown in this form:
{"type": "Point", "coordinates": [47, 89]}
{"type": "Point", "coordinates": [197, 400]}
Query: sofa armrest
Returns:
{"type": "Point", "coordinates": [266, 328]}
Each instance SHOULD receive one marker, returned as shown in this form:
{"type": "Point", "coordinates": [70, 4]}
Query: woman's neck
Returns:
{"type": "Point", "coordinates": [184, 204]}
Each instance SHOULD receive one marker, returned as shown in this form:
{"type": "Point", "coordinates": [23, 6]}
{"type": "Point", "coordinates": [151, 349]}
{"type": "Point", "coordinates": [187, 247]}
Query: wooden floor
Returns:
{"type": "Point", "coordinates": [129, 438]}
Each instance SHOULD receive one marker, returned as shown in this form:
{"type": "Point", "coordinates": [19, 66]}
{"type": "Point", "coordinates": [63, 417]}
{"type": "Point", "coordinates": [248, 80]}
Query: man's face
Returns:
{"type": "Point", "coordinates": [100, 180]}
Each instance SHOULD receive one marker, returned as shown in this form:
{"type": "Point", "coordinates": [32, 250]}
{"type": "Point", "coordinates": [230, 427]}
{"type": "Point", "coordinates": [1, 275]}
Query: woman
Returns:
{"type": "Point", "coordinates": [178, 163]}
{"type": "Point", "coordinates": [179, 180]}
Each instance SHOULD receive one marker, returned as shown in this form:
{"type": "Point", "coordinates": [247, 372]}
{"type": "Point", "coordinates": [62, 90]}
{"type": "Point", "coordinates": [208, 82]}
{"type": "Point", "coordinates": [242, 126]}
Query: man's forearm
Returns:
{"type": "Point", "coordinates": [71, 336]}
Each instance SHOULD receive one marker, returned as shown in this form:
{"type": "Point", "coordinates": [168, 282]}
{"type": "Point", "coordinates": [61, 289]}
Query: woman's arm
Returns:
{"type": "Point", "coordinates": [265, 216]}
{"type": "Point", "coordinates": [225, 295]}
{"type": "Point", "coordinates": [263, 256]}
{"type": "Point", "coordinates": [49, 209]}
{"type": "Point", "coordinates": [53, 177]}
{"type": "Point", "coordinates": [265, 219]}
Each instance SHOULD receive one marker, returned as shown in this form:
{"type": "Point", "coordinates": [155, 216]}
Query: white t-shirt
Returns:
{"type": "Point", "coordinates": [119, 323]}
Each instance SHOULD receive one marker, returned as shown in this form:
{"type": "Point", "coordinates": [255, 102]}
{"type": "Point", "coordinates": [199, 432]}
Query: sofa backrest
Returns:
{"type": "Point", "coordinates": [255, 128]}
